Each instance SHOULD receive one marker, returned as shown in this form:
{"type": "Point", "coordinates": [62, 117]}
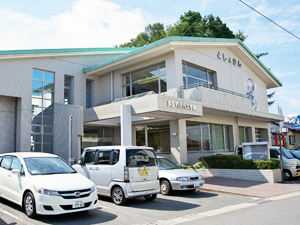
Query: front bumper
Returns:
{"type": "Point", "coordinates": [187, 185]}
{"type": "Point", "coordinates": [53, 205]}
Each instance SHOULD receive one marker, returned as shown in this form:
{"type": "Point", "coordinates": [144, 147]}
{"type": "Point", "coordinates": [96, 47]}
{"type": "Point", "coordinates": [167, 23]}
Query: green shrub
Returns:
{"type": "Point", "coordinates": [237, 162]}
{"type": "Point", "coordinates": [186, 166]}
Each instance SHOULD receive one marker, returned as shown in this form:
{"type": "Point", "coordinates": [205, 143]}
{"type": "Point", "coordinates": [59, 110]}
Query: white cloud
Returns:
{"type": "Point", "coordinates": [280, 74]}
{"type": "Point", "coordinates": [90, 23]}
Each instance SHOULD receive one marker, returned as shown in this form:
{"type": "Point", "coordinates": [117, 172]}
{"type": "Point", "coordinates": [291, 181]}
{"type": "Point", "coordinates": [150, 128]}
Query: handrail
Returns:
{"type": "Point", "coordinates": [214, 88]}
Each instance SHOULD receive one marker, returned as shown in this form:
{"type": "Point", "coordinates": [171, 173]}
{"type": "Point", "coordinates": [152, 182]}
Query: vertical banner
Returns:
{"type": "Point", "coordinates": [249, 90]}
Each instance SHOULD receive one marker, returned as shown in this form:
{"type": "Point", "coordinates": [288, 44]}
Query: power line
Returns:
{"type": "Point", "coordinates": [270, 19]}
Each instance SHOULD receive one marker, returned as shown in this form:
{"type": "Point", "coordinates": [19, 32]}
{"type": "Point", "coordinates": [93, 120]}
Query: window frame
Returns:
{"type": "Point", "coordinates": [159, 78]}
{"type": "Point", "coordinates": [209, 84]}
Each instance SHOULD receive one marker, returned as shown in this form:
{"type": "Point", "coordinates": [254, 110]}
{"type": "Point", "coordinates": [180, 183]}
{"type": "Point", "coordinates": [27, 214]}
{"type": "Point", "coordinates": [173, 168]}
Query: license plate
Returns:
{"type": "Point", "coordinates": [298, 173]}
{"type": "Point", "coordinates": [196, 184]}
{"type": "Point", "coordinates": [144, 172]}
{"type": "Point", "coordinates": [78, 205]}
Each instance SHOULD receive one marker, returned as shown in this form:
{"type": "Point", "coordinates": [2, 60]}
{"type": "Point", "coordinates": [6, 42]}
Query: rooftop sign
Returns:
{"type": "Point", "coordinates": [297, 123]}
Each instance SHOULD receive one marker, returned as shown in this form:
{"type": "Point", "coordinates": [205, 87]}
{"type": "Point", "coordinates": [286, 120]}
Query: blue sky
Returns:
{"type": "Point", "coordinates": [33, 24]}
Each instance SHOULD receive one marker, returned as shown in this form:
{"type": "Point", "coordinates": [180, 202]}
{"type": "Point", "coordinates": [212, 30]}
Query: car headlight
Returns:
{"type": "Point", "coordinates": [182, 178]}
{"type": "Point", "coordinates": [43, 191]}
{"type": "Point", "coordinates": [293, 163]}
{"type": "Point", "coordinates": [93, 189]}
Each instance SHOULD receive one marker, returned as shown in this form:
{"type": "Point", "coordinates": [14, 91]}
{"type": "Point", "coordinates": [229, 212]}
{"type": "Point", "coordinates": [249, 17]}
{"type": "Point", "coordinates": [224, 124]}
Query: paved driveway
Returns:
{"type": "Point", "coordinates": [137, 211]}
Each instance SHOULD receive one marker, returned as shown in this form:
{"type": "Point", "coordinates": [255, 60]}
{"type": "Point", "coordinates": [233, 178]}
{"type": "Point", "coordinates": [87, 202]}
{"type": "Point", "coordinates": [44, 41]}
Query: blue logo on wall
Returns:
{"type": "Point", "coordinates": [297, 123]}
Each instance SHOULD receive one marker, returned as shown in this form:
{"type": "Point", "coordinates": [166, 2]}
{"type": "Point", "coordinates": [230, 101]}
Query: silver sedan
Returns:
{"type": "Point", "coordinates": [172, 177]}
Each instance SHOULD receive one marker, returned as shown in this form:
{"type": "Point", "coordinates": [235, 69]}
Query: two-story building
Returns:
{"type": "Point", "coordinates": [183, 96]}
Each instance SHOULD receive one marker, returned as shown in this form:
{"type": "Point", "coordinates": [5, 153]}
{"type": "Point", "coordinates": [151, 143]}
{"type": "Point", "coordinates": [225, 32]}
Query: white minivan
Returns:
{"type": "Point", "coordinates": [121, 172]}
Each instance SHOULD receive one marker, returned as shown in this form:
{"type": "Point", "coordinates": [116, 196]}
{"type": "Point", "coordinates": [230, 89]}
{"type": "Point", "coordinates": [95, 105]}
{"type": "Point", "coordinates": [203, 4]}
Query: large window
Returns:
{"type": "Point", "coordinates": [245, 134]}
{"type": "Point", "coordinates": [207, 137]}
{"type": "Point", "coordinates": [157, 137]}
{"type": "Point", "coordinates": [152, 78]}
{"type": "Point", "coordinates": [89, 94]}
{"type": "Point", "coordinates": [69, 91]}
{"type": "Point", "coordinates": [42, 111]}
{"type": "Point", "coordinates": [194, 76]}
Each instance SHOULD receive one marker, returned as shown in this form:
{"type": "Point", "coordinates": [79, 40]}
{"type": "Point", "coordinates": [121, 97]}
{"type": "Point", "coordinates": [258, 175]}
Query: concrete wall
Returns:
{"type": "Point", "coordinates": [7, 124]}
{"type": "Point", "coordinates": [229, 77]}
{"type": "Point", "coordinates": [16, 82]}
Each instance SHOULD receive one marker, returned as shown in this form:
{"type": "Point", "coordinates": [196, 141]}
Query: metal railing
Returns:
{"type": "Point", "coordinates": [210, 86]}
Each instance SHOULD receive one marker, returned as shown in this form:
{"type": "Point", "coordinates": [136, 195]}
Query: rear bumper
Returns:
{"type": "Point", "coordinates": [129, 193]}
{"type": "Point", "coordinates": [187, 185]}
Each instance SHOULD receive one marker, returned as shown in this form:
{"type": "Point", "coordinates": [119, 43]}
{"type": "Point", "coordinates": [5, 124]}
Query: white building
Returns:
{"type": "Point", "coordinates": [184, 96]}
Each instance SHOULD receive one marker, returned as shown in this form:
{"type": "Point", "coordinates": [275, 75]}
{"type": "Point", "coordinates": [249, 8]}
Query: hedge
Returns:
{"type": "Point", "coordinates": [235, 162]}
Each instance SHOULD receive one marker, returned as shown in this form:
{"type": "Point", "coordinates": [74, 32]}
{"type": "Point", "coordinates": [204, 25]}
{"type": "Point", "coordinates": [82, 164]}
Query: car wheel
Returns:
{"type": "Point", "coordinates": [29, 205]}
{"type": "Point", "coordinates": [287, 175]}
{"type": "Point", "coordinates": [165, 187]}
{"type": "Point", "coordinates": [150, 197]}
{"type": "Point", "coordinates": [118, 196]}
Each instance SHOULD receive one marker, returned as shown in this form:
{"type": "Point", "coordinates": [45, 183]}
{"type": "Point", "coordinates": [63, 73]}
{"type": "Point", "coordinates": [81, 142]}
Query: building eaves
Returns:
{"type": "Point", "coordinates": [178, 38]}
{"type": "Point", "coordinates": [65, 50]}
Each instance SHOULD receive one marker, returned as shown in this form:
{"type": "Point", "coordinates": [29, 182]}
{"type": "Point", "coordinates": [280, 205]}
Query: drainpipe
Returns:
{"type": "Point", "coordinates": [70, 139]}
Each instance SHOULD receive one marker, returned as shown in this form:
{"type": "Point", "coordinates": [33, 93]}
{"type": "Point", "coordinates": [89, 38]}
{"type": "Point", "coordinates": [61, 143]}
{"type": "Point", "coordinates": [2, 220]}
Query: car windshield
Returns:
{"type": "Point", "coordinates": [296, 154]}
{"type": "Point", "coordinates": [165, 164]}
{"type": "Point", "coordinates": [286, 153]}
{"type": "Point", "coordinates": [47, 166]}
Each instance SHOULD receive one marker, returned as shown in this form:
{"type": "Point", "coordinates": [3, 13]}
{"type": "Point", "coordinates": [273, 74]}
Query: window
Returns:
{"type": "Point", "coordinates": [244, 134]}
{"type": "Point", "coordinates": [68, 90]}
{"type": "Point", "coordinates": [292, 139]}
{"type": "Point", "coordinates": [140, 157]}
{"type": "Point", "coordinates": [104, 157]}
{"type": "Point", "coordinates": [89, 94]}
{"type": "Point", "coordinates": [274, 154]}
{"type": "Point", "coordinates": [42, 111]}
{"type": "Point", "coordinates": [6, 162]}
{"type": "Point", "coordinates": [116, 156]}
{"type": "Point", "coordinates": [194, 76]}
{"type": "Point", "coordinates": [89, 157]}
{"type": "Point", "coordinates": [16, 165]}
{"type": "Point", "coordinates": [152, 78]}
{"type": "Point", "coordinates": [258, 135]}
{"type": "Point", "coordinates": [201, 137]}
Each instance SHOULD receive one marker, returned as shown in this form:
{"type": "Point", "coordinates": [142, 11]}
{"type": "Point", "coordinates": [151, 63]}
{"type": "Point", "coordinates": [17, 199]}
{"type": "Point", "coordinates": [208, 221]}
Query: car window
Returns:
{"type": "Point", "coordinates": [6, 162]}
{"type": "Point", "coordinates": [89, 157]}
{"type": "Point", "coordinates": [16, 165]}
{"type": "Point", "coordinates": [104, 157]}
{"type": "Point", "coordinates": [47, 166]}
{"type": "Point", "coordinates": [239, 151]}
{"type": "Point", "coordinates": [165, 164]}
{"type": "Point", "coordinates": [116, 156]}
{"type": "Point", "coordinates": [274, 153]}
{"type": "Point", "coordinates": [140, 157]}
{"type": "Point", "coordinates": [296, 154]}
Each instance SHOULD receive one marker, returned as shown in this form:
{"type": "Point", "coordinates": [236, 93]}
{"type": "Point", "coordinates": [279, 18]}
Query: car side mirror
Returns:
{"type": "Point", "coordinates": [278, 156]}
{"type": "Point", "coordinates": [15, 171]}
{"type": "Point", "coordinates": [80, 162]}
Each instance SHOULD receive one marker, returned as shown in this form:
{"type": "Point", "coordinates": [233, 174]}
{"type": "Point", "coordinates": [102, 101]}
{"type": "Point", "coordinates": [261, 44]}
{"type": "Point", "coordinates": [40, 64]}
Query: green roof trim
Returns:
{"type": "Point", "coordinates": [63, 50]}
{"type": "Point", "coordinates": [177, 38]}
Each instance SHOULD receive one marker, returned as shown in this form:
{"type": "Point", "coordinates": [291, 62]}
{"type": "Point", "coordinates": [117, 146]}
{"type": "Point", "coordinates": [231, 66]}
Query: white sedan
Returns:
{"type": "Point", "coordinates": [43, 183]}
{"type": "Point", "coordinates": [172, 177]}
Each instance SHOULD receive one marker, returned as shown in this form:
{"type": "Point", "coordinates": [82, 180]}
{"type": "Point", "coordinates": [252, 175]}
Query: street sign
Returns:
{"type": "Point", "coordinates": [297, 123]}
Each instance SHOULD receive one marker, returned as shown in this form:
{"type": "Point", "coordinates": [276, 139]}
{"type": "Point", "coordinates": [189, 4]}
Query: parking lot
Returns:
{"type": "Point", "coordinates": [137, 211]}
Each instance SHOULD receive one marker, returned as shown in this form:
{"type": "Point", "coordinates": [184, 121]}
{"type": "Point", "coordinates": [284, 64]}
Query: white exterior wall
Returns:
{"type": "Point", "coordinates": [16, 81]}
{"type": "Point", "coordinates": [229, 77]}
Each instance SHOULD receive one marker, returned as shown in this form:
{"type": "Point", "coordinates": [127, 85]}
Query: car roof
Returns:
{"type": "Point", "coordinates": [28, 154]}
{"type": "Point", "coordinates": [119, 147]}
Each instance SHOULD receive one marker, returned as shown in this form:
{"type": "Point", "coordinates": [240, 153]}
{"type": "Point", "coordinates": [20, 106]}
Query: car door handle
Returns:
{"type": "Point", "coordinates": [9, 174]}
{"type": "Point", "coordinates": [91, 168]}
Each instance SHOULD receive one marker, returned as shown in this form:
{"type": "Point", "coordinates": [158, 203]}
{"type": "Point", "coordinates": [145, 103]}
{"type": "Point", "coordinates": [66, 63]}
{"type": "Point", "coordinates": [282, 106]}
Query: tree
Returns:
{"type": "Point", "coordinates": [240, 35]}
{"type": "Point", "coordinates": [191, 24]}
{"type": "Point", "coordinates": [151, 34]}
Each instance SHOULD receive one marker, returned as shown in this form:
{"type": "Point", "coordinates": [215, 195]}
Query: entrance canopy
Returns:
{"type": "Point", "coordinates": [153, 105]}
